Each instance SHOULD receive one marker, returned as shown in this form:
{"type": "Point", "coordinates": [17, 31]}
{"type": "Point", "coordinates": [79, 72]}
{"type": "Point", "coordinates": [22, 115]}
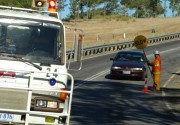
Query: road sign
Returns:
{"type": "Point", "coordinates": [140, 42]}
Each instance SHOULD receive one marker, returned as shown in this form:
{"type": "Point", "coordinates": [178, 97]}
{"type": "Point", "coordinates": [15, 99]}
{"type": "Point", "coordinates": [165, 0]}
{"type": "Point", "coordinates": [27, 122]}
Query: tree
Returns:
{"type": "Point", "coordinates": [178, 10]}
{"type": "Point", "coordinates": [156, 7]}
{"type": "Point", "coordinates": [138, 5]}
{"type": "Point", "coordinates": [61, 5]}
{"type": "Point", "coordinates": [78, 7]}
{"type": "Point", "coordinates": [17, 3]}
{"type": "Point", "coordinates": [72, 9]}
{"type": "Point", "coordinates": [90, 5]}
{"type": "Point", "coordinates": [165, 4]}
{"type": "Point", "coordinates": [144, 8]}
{"type": "Point", "coordinates": [122, 10]}
{"type": "Point", "coordinates": [174, 6]}
{"type": "Point", "coordinates": [111, 6]}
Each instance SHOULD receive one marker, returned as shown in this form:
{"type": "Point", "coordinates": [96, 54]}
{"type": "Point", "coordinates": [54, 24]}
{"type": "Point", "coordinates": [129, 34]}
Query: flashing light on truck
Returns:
{"type": "Point", "coordinates": [52, 5]}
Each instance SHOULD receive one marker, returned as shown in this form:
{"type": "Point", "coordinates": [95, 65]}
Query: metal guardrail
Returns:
{"type": "Point", "coordinates": [109, 48]}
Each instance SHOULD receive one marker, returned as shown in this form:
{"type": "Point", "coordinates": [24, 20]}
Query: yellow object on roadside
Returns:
{"type": "Point", "coordinates": [140, 42]}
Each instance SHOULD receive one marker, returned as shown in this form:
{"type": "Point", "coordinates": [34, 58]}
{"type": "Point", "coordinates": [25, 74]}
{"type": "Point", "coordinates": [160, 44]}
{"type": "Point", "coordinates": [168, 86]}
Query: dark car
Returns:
{"type": "Point", "coordinates": [129, 64]}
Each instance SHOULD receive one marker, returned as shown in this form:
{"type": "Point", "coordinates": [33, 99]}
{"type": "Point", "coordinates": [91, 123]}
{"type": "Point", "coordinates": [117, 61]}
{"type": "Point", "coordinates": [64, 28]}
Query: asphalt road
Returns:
{"type": "Point", "coordinates": [98, 100]}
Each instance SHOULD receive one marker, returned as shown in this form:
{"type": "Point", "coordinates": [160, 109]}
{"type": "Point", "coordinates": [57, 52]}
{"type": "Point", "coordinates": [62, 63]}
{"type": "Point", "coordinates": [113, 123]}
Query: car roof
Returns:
{"type": "Point", "coordinates": [28, 15]}
{"type": "Point", "coordinates": [131, 51]}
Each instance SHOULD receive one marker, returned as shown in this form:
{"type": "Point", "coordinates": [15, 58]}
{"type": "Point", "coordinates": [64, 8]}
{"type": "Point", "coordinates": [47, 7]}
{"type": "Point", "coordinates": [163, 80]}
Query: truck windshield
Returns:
{"type": "Point", "coordinates": [32, 40]}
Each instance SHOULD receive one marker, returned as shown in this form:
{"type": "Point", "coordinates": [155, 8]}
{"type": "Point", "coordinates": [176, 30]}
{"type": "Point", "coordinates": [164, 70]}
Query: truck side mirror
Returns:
{"type": "Point", "coordinates": [77, 50]}
{"type": "Point", "coordinates": [112, 59]}
{"type": "Point", "coordinates": [78, 47]}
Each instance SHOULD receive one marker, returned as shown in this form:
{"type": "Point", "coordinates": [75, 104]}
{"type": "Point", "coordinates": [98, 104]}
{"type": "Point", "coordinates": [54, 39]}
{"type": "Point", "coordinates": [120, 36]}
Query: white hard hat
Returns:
{"type": "Point", "coordinates": [156, 52]}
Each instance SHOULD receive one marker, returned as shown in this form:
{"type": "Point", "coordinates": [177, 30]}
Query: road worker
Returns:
{"type": "Point", "coordinates": [156, 70]}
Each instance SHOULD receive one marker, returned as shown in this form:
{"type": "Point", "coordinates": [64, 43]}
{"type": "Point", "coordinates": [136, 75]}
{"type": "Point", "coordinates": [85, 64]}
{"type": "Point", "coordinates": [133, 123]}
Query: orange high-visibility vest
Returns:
{"type": "Point", "coordinates": [156, 67]}
{"type": "Point", "coordinates": [159, 58]}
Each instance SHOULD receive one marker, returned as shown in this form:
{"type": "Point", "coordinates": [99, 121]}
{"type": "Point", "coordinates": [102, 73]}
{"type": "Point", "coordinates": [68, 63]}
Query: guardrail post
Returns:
{"type": "Point", "coordinates": [97, 37]}
{"type": "Point", "coordinates": [124, 35]}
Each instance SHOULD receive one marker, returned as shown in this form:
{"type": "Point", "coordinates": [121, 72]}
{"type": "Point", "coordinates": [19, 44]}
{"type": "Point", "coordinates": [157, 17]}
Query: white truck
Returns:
{"type": "Point", "coordinates": [35, 86]}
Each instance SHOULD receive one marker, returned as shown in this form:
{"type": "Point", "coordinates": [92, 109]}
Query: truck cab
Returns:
{"type": "Point", "coordinates": [35, 86]}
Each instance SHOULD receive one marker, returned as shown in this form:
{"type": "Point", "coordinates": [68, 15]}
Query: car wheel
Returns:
{"type": "Point", "coordinates": [142, 78]}
{"type": "Point", "coordinates": [111, 76]}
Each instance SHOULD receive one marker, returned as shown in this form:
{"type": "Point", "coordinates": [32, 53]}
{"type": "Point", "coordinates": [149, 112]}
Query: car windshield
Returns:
{"type": "Point", "coordinates": [31, 40]}
{"type": "Point", "coordinates": [130, 57]}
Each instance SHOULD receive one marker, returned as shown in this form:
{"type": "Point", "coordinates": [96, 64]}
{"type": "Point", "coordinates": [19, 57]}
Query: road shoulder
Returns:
{"type": "Point", "coordinates": [171, 94]}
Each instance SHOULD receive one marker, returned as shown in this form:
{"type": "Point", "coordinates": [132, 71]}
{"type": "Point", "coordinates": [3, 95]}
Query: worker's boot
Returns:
{"type": "Point", "coordinates": [158, 87]}
{"type": "Point", "coordinates": [154, 87]}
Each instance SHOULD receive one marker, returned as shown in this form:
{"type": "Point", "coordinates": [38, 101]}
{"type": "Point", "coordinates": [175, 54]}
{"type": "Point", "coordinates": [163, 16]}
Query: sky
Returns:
{"type": "Point", "coordinates": [63, 14]}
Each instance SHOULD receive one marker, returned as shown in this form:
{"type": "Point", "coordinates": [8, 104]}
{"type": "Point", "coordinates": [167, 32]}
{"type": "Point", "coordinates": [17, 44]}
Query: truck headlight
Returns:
{"type": "Point", "coordinates": [41, 103]}
{"type": "Point", "coordinates": [52, 104]}
{"type": "Point", "coordinates": [47, 104]}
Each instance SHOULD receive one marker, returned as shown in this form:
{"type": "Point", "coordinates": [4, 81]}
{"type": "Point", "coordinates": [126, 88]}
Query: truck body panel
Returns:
{"type": "Point", "coordinates": [35, 86]}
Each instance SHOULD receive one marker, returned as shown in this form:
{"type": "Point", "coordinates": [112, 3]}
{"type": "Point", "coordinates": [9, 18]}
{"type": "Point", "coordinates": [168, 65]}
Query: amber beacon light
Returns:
{"type": "Point", "coordinates": [52, 5]}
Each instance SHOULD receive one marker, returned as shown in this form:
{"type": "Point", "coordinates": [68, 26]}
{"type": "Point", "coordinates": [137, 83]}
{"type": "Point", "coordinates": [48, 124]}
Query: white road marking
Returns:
{"type": "Point", "coordinates": [91, 78]}
{"type": "Point", "coordinates": [164, 94]}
